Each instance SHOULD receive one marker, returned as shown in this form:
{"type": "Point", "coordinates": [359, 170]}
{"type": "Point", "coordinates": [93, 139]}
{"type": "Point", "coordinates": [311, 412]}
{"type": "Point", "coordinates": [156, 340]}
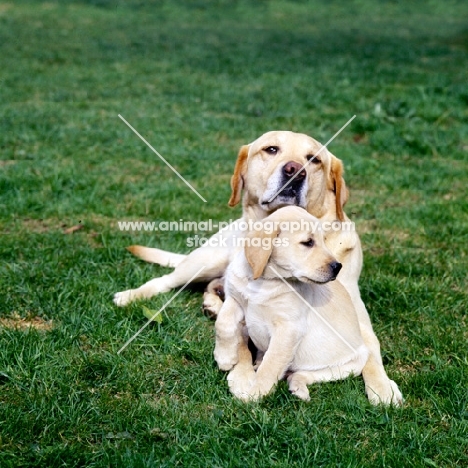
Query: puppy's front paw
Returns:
{"type": "Point", "coordinates": [240, 380]}
{"type": "Point", "coordinates": [386, 393]}
{"type": "Point", "coordinates": [245, 385]}
{"type": "Point", "coordinates": [123, 298]}
{"type": "Point", "coordinates": [256, 391]}
{"type": "Point", "coordinates": [298, 388]}
{"type": "Point", "coordinates": [226, 356]}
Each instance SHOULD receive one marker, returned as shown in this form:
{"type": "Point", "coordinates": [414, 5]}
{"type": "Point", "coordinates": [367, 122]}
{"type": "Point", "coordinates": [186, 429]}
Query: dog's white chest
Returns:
{"type": "Point", "coordinates": [260, 327]}
{"type": "Point", "coordinates": [267, 309]}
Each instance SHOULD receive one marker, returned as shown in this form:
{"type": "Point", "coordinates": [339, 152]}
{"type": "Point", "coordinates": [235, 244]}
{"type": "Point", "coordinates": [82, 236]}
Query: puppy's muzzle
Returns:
{"type": "Point", "coordinates": [335, 268]}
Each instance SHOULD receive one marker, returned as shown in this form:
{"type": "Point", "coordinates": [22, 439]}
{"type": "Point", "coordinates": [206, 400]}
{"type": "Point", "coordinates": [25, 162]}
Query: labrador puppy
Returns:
{"type": "Point", "coordinates": [279, 169]}
{"type": "Point", "coordinates": [302, 323]}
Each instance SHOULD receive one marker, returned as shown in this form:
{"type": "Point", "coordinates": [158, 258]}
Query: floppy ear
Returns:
{"type": "Point", "coordinates": [257, 255]}
{"type": "Point", "coordinates": [237, 180]}
{"type": "Point", "coordinates": [339, 186]}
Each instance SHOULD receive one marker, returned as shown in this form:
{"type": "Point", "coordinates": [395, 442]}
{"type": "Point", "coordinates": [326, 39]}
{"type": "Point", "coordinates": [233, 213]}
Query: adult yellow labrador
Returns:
{"type": "Point", "coordinates": [302, 322]}
{"type": "Point", "coordinates": [271, 174]}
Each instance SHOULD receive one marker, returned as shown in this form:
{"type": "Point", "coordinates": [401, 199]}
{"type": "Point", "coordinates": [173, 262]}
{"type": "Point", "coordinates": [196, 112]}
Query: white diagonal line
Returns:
{"type": "Point", "coordinates": [162, 159]}
{"type": "Point", "coordinates": [311, 159]}
{"type": "Point", "coordinates": [344, 340]}
{"type": "Point", "coordinates": [160, 310]}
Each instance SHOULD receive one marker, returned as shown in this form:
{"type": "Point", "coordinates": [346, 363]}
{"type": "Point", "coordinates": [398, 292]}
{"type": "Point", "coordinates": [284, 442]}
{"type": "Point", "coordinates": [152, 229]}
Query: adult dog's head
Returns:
{"type": "Point", "coordinates": [285, 168]}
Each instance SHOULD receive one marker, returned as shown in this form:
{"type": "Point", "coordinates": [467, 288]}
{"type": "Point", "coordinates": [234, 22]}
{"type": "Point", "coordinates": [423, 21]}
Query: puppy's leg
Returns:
{"type": "Point", "coordinates": [242, 377]}
{"type": "Point", "coordinates": [298, 381]}
{"type": "Point", "coordinates": [214, 261]}
{"type": "Point", "coordinates": [276, 361]}
{"type": "Point", "coordinates": [229, 337]}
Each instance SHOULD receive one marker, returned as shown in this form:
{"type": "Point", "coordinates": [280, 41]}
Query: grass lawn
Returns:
{"type": "Point", "coordinates": [198, 79]}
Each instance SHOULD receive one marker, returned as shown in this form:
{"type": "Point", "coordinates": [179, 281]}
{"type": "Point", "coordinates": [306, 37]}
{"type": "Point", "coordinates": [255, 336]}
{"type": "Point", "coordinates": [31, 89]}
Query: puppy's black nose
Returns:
{"type": "Point", "coordinates": [335, 268]}
{"type": "Point", "coordinates": [291, 168]}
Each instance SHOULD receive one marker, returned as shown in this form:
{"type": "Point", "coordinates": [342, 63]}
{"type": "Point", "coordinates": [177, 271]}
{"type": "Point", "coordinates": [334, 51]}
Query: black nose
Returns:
{"type": "Point", "coordinates": [291, 168]}
{"type": "Point", "coordinates": [335, 268]}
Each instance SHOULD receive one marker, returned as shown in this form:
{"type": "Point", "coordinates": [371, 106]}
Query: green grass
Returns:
{"type": "Point", "coordinates": [198, 79]}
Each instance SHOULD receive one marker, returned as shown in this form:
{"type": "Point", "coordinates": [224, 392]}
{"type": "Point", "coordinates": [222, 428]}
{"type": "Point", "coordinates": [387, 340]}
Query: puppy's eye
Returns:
{"type": "Point", "coordinates": [309, 243]}
{"type": "Point", "coordinates": [313, 159]}
{"type": "Point", "coordinates": [271, 150]}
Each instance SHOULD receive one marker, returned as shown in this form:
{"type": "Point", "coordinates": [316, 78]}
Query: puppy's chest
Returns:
{"type": "Point", "coordinates": [260, 331]}
{"type": "Point", "coordinates": [266, 309]}
{"type": "Point", "coordinates": [249, 293]}
{"type": "Point", "coordinates": [259, 292]}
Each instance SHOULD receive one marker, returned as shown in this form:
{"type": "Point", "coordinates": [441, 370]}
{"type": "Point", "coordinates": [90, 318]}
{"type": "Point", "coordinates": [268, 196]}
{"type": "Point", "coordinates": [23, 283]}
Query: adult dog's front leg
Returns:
{"type": "Point", "coordinates": [202, 265]}
{"type": "Point", "coordinates": [228, 326]}
{"type": "Point", "coordinates": [379, 388]}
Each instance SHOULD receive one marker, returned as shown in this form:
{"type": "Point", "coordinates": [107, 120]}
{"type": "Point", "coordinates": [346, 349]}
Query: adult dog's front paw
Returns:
{"type": "Point", "coordinates": [385, 393]}
{"type": "Point", "coordinates": [123, 298]}
{"type": "Point", "coordinates": [211, 305]}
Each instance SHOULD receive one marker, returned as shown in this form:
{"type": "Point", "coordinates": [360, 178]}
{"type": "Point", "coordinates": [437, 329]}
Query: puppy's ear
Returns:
{"type": "Point", "coordinates": [339, 186]}
{"type": "Point", "coordinates": [237, 180]}
{"type": "Point", "coordinates": [258, 250]}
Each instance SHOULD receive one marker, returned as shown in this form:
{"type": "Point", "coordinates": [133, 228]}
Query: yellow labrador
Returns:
{"type": "Point", "coordinates": [282, 285]}
{"type": "Point", "coordinates": [262, 170]}
{"type": "Point", "coordinates": [271, 174]}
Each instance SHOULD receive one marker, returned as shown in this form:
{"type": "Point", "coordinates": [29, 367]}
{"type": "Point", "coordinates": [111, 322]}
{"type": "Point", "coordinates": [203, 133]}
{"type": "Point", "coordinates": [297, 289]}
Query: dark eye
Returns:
{"type": "Point", "coordinates": [309, 243]}
{"type": "Point", "coordinates": [313, 159]}
{"type": "Point", "coordinates": [271, 150]}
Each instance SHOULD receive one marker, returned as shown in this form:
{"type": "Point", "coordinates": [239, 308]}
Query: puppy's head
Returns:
{"type": "Point", "coordinates": [290, 244]}
{"type": "Point", "coordinates": [286, 168]}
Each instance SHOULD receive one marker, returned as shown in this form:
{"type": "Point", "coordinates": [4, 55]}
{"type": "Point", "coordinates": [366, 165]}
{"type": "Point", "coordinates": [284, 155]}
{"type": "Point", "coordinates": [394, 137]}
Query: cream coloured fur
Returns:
{"type": "Point", "coordinates": [300, 320]}
{"type": "Point", "coordinates": [258, 176]}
